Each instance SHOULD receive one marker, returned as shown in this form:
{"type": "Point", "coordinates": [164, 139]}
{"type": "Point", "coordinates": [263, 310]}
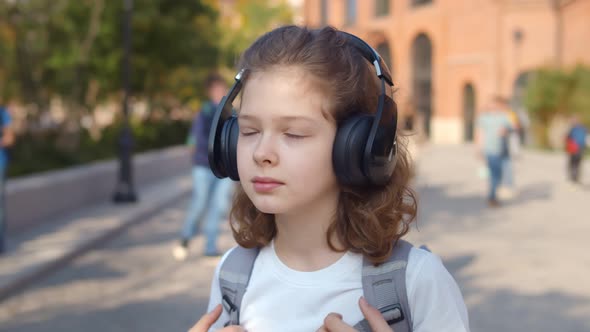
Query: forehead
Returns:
{"type": "Point", "coordinates": [283, 92]}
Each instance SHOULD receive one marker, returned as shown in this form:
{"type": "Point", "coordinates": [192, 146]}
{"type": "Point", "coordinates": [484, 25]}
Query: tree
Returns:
{"type": "Point", "coordinates": [248, 20]}
{"type": "Point", "coordinates": [73, 50]}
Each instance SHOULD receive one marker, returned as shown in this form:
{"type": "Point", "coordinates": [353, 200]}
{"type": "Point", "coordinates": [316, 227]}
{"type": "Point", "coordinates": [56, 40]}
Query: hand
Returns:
{"type": "Point", "coordinates": [333, 322]}
{"type": "Point", "coordinates": [209, 318]}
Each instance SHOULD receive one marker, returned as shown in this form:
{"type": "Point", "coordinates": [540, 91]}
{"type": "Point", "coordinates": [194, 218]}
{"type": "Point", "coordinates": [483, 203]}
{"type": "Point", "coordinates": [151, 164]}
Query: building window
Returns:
{"type": "Point", "coordinates": [416, 3]}
{"type": "Point", "coordinates": [381, 7]}
{"type": "Point", "coordinates": [350, 12]}
{"type": "Point", "coordinates": [324, 12]}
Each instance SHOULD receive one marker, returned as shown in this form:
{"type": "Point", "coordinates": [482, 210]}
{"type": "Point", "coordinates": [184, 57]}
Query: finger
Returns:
{"type": "Point", "coordinates": [333, 323]}
{"type": "Point", "coordinates": [322, 329]}
{"type": "Point", "coordinates": [207, 320]}
{"type": "Point", "coordinates": [374, 317]}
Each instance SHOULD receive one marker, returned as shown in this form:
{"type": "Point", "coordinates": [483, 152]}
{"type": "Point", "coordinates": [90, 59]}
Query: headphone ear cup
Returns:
{"type": "Point", "coordinates": [349, 148]}
{"type": "Point", "coordinates": [228, 149]}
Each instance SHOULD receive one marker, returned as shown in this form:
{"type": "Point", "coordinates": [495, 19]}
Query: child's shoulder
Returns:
{"type": "Point", "coordinates": [426, 269]}
{"type": "Point", "coordinates": [422, 260]}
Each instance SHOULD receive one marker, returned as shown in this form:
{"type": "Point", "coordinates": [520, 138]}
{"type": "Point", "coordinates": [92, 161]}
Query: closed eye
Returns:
{"type": "Point", "coordinates": [248, 133]}
{"type": "Point", "coordinates": [294, 136]}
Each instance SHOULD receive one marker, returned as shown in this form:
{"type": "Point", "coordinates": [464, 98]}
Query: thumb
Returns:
{"type": "Point", "coordinates": [207, 320]}
{"type": "Point", "coordinates": [373, 317]}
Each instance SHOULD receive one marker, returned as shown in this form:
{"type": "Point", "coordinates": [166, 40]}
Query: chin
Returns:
{"type": "Point", "coordinates": [269, 205]}
{"type": "Point", "coordinates": [268, 208]}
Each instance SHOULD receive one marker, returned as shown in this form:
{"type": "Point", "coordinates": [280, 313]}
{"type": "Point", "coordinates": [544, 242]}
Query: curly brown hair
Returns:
{"type": "Point", "coordinates": [369, 220]}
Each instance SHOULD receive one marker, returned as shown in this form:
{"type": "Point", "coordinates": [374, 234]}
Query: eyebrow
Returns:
{"type": "Point", "coordinates": [285, 118]}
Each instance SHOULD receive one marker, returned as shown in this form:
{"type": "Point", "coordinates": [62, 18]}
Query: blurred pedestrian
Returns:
{"type": "Point", "coordinates": [576, 142]}
{"type": "Point", "coordinates": [510, 150]}
{"type": "Point", "coordinates": [492, 126]}
{"type": "Point", "coordinates": [209, 192]}
{"type": "Point", "coordinates": [6, 140]}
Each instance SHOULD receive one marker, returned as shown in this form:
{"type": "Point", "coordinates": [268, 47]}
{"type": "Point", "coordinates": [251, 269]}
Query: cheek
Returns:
{"type": "Point", "coordinates": [312, 162]}
{"type": "Point", "coordinates": [243, 170]}
{"type": "Point", "coordinates": [242, 155]}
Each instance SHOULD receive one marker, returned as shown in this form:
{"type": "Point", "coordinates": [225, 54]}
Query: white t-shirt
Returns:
{"type": "Point", "coordinates": [282, 299]}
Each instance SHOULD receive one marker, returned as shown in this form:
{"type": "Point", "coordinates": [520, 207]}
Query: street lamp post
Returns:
{"type": "Point", "coordinates": [124, 191]}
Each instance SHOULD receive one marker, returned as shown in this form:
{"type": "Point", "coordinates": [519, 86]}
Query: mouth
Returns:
{"type": "Point", "coordinates": [264, 184]}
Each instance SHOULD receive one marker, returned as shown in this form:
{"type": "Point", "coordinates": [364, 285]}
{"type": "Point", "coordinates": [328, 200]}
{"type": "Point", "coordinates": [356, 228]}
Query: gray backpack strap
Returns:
{"type": "Point", "coordinates": [384, 287]}
{"type": "Point", "coordinates": [234, 276]}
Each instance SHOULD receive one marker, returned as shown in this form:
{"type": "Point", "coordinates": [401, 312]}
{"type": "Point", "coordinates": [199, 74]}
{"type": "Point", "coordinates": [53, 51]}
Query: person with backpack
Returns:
{"type": "Point", "coordinates": [576, 140]}
{"type": "Point", "coordinates": [324, 197]}
{"type": "Point", "coordinates": [209, 192]}
{"type": "Point", "coordinates": [6, 140]}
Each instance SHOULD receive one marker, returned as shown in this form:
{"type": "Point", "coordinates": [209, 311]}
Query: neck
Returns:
{"type": "Point", "coordinates": [301, 241]}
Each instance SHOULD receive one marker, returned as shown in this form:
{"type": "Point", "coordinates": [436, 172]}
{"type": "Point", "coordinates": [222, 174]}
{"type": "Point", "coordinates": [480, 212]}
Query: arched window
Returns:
{"type": "Point", "coordinates": [385, 53]}
{"type": "Point", "coordinates": [323, 12]}
{"type": "Point", "coordinates": [381, 7]}
{"type": "Point", "coordinates": [468, 111]}
{"type": "Point", "coordinates": [350, 12]}
{"type": "Point", "coordinates": [422, 79]}
{"type": "Point", "coordinates": [416, 3]}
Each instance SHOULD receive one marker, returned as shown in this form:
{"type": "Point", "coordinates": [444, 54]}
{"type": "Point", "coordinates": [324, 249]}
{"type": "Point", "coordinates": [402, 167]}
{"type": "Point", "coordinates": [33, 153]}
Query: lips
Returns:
{"type": "Point", "coordinates": [265, 184]}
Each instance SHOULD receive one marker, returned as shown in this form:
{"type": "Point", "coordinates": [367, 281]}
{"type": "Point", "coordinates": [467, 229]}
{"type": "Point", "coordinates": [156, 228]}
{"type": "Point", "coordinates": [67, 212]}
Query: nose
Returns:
{"type": "Point", "coordinates": [265, 153]}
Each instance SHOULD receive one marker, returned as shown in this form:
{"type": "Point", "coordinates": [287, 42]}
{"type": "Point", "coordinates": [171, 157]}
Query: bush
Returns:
{"type": "Point", "coordinates": [42, 151]}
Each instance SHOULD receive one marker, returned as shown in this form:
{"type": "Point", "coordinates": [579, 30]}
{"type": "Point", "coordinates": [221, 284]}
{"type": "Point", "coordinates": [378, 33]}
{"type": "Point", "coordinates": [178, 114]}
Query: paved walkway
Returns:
{"type": "Point", "coordinates": [522, 267]}
{"type": "Point", "coordinates": [49, 246]}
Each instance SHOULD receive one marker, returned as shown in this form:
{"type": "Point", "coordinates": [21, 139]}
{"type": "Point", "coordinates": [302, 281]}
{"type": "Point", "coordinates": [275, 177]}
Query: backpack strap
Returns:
{"type": "Point", "coordinates": [384, 287]}
{"type": "Point", "coordinates": [234, 276]}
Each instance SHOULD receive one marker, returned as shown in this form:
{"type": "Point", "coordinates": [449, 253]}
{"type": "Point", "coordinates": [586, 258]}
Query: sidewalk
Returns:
{"type": "Point", "coordinates": [41, 250]}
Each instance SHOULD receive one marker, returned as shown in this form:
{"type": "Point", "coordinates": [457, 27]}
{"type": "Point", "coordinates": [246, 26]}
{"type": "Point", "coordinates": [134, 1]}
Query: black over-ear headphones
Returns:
{"type": "Point", "coordinates": [365, 147]}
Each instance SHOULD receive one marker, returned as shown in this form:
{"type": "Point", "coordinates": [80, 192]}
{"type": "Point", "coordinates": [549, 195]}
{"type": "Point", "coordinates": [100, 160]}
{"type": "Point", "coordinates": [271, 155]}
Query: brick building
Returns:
{"type": "Point", "coordinates": [448, 57]}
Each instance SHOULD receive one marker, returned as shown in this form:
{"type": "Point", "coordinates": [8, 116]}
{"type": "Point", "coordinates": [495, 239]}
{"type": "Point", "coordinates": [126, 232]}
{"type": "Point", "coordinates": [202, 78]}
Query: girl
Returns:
{"type": "Point", "coordinates": [324, 186]}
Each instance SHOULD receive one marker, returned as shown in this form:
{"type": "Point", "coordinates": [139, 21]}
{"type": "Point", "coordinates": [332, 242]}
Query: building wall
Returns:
{"type": "Point", "coordinates": [473, 42]}
{"type": "Point", "coordinates": [576, 32]}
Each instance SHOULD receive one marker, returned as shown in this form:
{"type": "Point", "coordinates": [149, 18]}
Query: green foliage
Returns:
{"type": "Point", "coordinates": [556, 92]}
{"type": "Point", "coordinates": [177, 48]}
{"type": "Point", "coordinates": [38, 152]}
{"type": "Point", "coordinates": [74, 49]}
{"type": "Point", "coordinates": [579, 102]}
{"type": "Point", "coordinates": [251, 19]}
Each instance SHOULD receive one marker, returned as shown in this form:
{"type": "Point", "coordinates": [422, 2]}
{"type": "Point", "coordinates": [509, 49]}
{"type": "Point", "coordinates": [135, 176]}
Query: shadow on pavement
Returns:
{"type": "Point", "coordinates": [535, 192]}
{"type": "Point", "coordinates": [437, 205]}
{"type": "Point", "coordinates": [511, 311]}
{"type": "Point", "coordinates": [170, 313]}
